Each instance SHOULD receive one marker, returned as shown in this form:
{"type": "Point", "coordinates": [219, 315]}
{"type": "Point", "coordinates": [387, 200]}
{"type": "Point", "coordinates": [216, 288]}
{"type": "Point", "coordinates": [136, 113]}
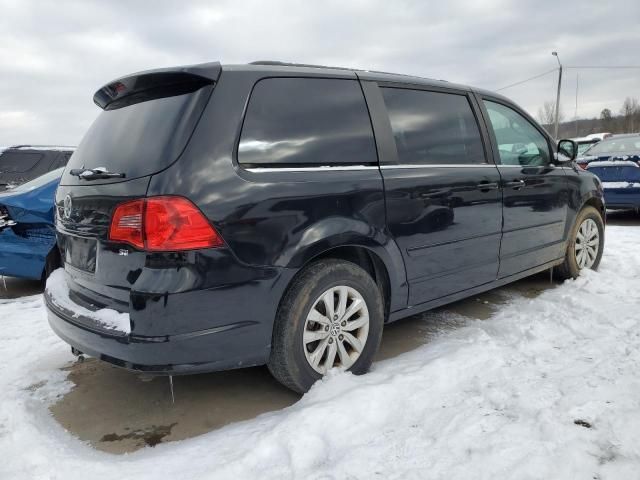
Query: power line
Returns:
{"type": "Point", "coordinates": [527, 80]}
{"type": "Point", "coordinates": [605, 66]}
{"type": "Point", "coordinates": [574, 67]}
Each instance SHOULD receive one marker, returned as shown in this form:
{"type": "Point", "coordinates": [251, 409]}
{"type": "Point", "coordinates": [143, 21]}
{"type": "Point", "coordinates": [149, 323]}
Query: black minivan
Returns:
{"type": "Point", "coordinates": [217, 217]}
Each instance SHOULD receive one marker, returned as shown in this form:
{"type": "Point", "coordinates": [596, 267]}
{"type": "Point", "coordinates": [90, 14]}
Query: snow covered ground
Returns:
{"type": "Point", "coordinates": [547, 388]}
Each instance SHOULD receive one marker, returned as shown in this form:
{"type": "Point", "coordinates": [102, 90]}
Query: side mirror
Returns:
{"type": "Point", "coordinates": [567, 150]}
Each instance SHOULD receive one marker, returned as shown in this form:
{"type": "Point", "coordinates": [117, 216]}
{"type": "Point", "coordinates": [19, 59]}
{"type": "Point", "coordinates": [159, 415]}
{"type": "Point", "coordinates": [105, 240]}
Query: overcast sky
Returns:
{"type": "Point", "coordinates": [55, 54]}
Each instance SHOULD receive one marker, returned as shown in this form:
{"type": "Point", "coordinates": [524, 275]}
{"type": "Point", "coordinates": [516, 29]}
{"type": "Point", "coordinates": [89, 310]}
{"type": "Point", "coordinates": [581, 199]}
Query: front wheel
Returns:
{"type": "Point", "coordinates": [585, 246]}
{"type": "Point", "coordinates": [332, 316]}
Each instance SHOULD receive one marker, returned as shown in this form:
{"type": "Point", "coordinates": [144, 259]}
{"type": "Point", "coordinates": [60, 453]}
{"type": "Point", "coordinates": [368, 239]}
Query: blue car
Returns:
{"type": "Point", "coordinates": [616, 161]}
{"type": "Point", "coordinates": [27, 228]}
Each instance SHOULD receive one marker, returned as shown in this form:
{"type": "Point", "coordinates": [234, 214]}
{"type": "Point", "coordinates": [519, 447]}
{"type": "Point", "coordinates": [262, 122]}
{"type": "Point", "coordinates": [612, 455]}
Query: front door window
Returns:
{"type": "Point", "coordinates": [519, 142]}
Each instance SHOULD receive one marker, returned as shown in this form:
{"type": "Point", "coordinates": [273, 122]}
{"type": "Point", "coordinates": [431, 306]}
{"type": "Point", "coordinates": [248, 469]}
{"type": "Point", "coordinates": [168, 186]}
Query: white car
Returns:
{"type": "Point", "coordinates": [600, 136]}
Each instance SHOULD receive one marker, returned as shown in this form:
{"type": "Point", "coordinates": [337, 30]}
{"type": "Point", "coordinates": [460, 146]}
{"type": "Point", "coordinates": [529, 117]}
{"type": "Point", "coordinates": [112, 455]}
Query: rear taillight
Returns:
{"type": "Point", "coordinates": [162, 224]}
{"type": "Point", "coordinates": [174, 223]}
{"type": "Point", "coordinates": [583, 165]}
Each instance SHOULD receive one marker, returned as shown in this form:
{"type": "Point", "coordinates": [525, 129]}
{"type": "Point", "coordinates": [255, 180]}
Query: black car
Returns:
{"type": "Point", "coordinates": [22, 163]}
{"type": "Point", "coordinates": [217, 217]}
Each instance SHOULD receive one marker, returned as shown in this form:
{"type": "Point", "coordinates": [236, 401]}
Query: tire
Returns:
{"type": "Point", "coordinates": [51, 263]}
{"type": "Point", "coordinates": [571, 267]}
{"type": "Point", "coordinates": [291, 358]}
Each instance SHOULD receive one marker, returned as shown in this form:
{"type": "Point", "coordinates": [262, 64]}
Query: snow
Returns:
{"type": "Point", "coordinates": [599, 136]}
{"type": "Point", "coordinates": [547, 388]}
{"type": "Point", "coordinates": [606, 185]}
{"type": "Point", "coordinates": [613, 163]}
{"type": "Point", "coordinates": [54, 148]}
{"type": "Point", "coordinates": [59, 293]}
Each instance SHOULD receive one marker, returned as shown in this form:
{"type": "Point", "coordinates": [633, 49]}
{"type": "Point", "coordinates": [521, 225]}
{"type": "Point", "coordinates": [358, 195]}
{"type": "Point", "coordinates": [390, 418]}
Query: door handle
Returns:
{"type": "Point", "coordinates": [516, 184]}
{"type": "Point", "coordinates": [487, 186]}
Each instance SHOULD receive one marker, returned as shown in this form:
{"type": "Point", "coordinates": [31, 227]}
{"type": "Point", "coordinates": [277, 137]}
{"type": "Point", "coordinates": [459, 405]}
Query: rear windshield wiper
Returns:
{"type": "Point", "coordinates": [98, 173]}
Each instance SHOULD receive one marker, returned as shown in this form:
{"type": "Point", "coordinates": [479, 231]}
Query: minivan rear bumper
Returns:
{"type": "Point", "coordinates": [242, 340]}
{"type": "Point", "coordinates": [186, 353]}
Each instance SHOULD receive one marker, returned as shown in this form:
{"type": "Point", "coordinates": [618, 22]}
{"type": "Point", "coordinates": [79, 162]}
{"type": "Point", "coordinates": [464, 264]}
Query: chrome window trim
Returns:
{"type": "Point", "coordinates": [342, 168]}
{"type": "Point", "coordinates": [442, 165]}
{"type": "Point", "coordinates": [323, 168]}
{"type": "Point", "coordinates": [523, 166]}
{"type": "Point", "coordinates": [517, 166]}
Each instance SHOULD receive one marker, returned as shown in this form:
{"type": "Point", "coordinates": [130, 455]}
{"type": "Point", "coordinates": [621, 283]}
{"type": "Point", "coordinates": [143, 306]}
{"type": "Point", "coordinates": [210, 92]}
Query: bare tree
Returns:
{"type": "Point", "coordinates": [630, 112]}
{"type": "Point", "coordinates": [547, 113]}
{"type": "Point", "coordinates": [606, 120]}
{"type": "Point", "coordinates": [605, 115]}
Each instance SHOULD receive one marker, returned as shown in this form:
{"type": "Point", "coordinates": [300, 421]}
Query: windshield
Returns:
{"type": "Point", "coordinates": [139, 139]}
{"type": "Point", "coordinates": [583, 147]}
{"type": "Point", "coordinates": [39, 181]}
{"type": "Point", "coordinates": [625, 145]}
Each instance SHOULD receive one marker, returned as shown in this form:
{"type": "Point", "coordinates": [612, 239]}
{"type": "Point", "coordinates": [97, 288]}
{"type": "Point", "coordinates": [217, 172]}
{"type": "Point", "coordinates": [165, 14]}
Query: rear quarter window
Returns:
{"type": "Point", "coordinates": [306, 122]}
{"type": "Point", "coordinates": [18, 162]}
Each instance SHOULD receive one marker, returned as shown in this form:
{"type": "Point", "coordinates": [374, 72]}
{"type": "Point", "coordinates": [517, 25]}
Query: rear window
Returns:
{"type": "Point", "coordinates": [433, 128]}
{"type": "Point", "coordinates": [622, 145]}
{"type": "Point", "coordinates": [140, 139]}
{"type": "Point", "coordinates": [306, 122]}
{"type": "Point", "coordinates": [18, 162]}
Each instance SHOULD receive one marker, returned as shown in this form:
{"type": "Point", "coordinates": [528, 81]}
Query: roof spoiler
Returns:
{"type": "Point", "coordinates": [150, 84]}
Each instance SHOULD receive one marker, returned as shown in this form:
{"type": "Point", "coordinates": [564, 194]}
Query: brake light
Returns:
{"type": "Point", "coordinates": [174, 223]}
{"type": "Point", "coordinates": [163, 224]}
{"type": "Point", "coordinates": [583, 165]}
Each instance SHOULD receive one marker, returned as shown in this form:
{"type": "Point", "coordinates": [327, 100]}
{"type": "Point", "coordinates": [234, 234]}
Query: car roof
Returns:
{"type": "Point", "coordinates": [58, 148]}
{"type": "Point", "coordinates": [286, 68]}
{"type": "Point", "coordinates": [622, 135]}
{"type": "Point", "coordinates": [617, 138]}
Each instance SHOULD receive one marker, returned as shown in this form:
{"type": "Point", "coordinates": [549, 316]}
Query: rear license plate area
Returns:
{"type": "Point", "coordinates": [80, 253]}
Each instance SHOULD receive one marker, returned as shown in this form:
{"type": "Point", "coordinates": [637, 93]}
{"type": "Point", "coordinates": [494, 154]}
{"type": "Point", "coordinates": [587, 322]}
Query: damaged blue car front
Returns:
{"type": "Point", "coordinates": [27, 228]}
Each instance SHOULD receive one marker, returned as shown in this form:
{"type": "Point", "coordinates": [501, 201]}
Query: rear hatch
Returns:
{"type": "Point", "coordinates": [616, 174]}
{"type": "Point", "coordinates": [146, 123]}
{"type": "Point", "coordinates": [620, 180]}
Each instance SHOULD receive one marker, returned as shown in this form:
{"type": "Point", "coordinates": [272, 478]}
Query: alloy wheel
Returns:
{"type": "Point", "coordinates": [587, 244]}
{"type": "Point", "coordinates": [336, 329]}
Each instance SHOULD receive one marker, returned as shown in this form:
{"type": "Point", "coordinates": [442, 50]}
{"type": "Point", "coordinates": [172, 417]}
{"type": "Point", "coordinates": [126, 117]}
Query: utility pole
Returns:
{"type": "Point", "coordinates": [555, 54]}
{"type": "Point", "coordinates": [576, 112]}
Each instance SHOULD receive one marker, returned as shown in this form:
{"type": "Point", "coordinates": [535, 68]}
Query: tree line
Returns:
{"type": "Point", "coordinates": [627, 120]}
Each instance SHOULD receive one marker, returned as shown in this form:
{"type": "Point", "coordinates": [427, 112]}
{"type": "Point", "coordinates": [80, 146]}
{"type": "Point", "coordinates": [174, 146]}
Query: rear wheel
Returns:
{"type": "Point", "coordinates": [332, 316]}
{"type": "Point", "coordinates": [585, 246]}
{"type": "Point", "coordinates": [51, 263]}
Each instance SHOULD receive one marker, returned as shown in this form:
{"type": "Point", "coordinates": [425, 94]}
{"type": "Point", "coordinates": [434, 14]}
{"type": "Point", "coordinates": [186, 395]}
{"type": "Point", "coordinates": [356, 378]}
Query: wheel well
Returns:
{"type": "Point", "coordinates": [53, 261]}
{"type": "Point", "coordinates": [368, 261]}
{"type": "Point", "coordinates": [597, 204]}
